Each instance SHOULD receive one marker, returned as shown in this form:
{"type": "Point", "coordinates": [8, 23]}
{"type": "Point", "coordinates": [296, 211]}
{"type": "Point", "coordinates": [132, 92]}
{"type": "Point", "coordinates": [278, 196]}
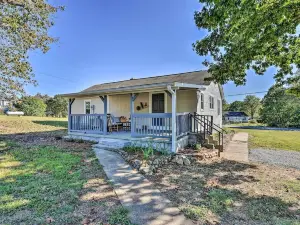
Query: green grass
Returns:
{"type": "Point", "coordinates": [39, 179]}
{"type": "Point", "coordinates": [293, 185]}
{"type": "Point", "coordinates": [273, 139]}
{"type": "Point", "coordinates": [119, 216]}
{"type": "Point", "coordinates": [217, 201]}
{"type": "Point", "coordinates": [32, 124]}
{"type": "Point", "coordinates": [266, 209]}
{"type": "Point", "coordinates": [196, 212]}
{"type": "Point", "coordinates": [41, 183]}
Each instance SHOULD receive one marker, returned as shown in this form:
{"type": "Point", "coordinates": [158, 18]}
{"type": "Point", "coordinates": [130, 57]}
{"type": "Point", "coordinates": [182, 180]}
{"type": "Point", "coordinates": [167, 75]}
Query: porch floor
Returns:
{"type": "Point", "coordinates": [121, 135]}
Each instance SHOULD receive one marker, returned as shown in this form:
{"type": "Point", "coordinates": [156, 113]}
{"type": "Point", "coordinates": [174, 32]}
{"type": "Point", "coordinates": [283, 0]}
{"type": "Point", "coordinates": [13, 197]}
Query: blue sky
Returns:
{"type": "Point", "coordinates": [111, 40]}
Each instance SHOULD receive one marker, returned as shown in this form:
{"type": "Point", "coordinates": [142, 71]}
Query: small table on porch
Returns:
{"type": "Point", "coordinates": [126, 126]}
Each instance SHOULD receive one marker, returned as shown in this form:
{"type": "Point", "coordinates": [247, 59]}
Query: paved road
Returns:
{"type": "Point", "coordinates": [276, 157]}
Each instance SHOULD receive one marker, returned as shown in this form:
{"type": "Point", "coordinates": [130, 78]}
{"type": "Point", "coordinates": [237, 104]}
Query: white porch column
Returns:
{"type": "Point", "coordinates": [71, 100]}
{"type": "Point", "coordinates": [174, 136]}
{"type": "Point", "coordinates": [132, 99]}
{"type": "Point", "coordinates": [104, 100]}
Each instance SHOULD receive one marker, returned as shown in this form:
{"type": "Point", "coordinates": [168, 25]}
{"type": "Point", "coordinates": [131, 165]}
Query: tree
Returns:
{"type": "Point", "coordinates": [23, 27]}
{"type": "Point", "coordinates": [294, 88]}
{"type": "Point", "coordinates": [280, 108]}
{"type": "Point", "coordinates": [225, 105]}
{"type": "Point", "coordinates": [57, 106]}
{"type": "Point", "coordinates": [43, 97]}
{"type": "Point", "coordinates": [251, 105]}
{"type": "Point", "coordinates": [236, 106]}
{"type": "Point", "coordinates": [252, 34]}
{"type": "Point", "coordinates": [31, 106]}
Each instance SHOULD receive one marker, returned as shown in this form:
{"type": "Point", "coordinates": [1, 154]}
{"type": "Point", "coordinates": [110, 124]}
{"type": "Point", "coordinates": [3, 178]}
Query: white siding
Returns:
{"type": "Point", "coordinates": [78, 105]}
{"type": "Point", "coordinates": [211, 90]}
{"type": "Point", "coordinates": [119, 105]}
{"type": "Point", "coordinates": [187, 101]}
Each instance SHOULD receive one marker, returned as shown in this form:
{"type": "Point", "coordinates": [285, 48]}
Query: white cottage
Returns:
{"type": "Point", "coordinates": [167, 108]}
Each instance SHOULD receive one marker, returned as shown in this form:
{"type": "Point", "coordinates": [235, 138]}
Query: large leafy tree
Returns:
{"type": "Point", "coordinates": [236, 106]}
{"type": "Point", "coordinates": [249, 34]}
{"type": "Point", "coordinates": [280, 108]}
{"type": "Point", "coordinates": [24, 26]}
{"type": "Point", "coordinates": [225, 105]}
{"type": "Point", "coordinates": [31, 106]}
{"type": "Point", "coordinates": [252, 105]}
{"type": "Point", "coordinates": [57, 106]}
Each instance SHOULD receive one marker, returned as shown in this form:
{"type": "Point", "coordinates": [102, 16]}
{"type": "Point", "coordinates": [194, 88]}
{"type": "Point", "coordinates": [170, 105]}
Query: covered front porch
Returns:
{"type": "Point", "coordinates": [162, 121]}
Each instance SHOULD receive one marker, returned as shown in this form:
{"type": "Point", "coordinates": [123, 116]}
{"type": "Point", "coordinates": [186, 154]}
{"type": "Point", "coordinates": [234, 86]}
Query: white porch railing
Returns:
{"type": "Point", "coordinates": [151, 125]}
{"type": "Point", "coordinates": [157, 125]}
{"type": "Point", "coordinates": [183, 123]}
{"type": "Point", "coordinates": [91, 123]}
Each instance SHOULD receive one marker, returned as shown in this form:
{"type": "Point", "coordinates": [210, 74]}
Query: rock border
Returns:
{"type": "Point", "coordinates": [156, 162]}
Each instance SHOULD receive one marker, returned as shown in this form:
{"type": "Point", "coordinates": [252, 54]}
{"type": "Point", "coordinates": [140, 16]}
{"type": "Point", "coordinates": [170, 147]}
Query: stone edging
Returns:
{"type": "Point", "coordinates": [159, 161]}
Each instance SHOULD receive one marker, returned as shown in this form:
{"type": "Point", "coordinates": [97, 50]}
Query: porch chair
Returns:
{"type": "Point", "coordinates": [113, 123]}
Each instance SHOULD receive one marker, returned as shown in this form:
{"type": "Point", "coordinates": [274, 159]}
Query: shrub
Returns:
{"type": "Point", "coordinates": [32, 106]}
{"type": "Point", "coordinates": [147, 152]}
{"type": "Point", "coordinates": [252, 121]}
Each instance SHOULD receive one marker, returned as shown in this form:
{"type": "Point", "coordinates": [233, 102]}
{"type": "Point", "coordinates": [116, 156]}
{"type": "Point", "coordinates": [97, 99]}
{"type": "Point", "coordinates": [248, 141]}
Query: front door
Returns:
{"type": "Point", "coordinates": [158, 106]}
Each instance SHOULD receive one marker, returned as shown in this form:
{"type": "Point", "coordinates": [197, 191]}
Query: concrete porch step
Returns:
{"type": "Point", "coordinates": [106, 147]}
{"type": "Point", "coordinates": [209, 146]}
{"type": "Point", "coordinates": [114, 143]}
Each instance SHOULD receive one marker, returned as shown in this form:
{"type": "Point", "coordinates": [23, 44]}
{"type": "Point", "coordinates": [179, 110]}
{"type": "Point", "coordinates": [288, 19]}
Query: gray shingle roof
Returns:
{"type": "Point", "coordinates": [236, 114]}
{"type": "Point", "coordinates": [196, 77]}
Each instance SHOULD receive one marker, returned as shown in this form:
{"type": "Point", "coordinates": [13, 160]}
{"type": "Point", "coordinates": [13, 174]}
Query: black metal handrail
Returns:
{"type": "Point", "coordinates": [208, 127]}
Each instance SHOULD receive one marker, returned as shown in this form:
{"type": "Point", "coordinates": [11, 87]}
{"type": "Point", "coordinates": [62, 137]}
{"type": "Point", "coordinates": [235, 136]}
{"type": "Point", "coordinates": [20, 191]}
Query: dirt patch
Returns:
{"type": "Point", "coordinates": [226, 192]}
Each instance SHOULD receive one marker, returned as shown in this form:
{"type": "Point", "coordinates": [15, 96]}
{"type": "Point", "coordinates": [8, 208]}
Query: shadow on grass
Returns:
{"type": "Point", "coordinates": [39, 184]}
{"type": "Point", "coordinates": [209, 192]}
{"type": "Point", "coordinates": [53, 123]}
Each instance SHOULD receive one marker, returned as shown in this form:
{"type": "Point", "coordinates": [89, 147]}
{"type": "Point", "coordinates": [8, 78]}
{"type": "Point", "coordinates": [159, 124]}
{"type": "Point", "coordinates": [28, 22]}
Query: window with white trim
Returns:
{"type": "Point", "coordinates": [211, 102]}
{"type": "Point", "coordinates": [202, 101]}
{"type": "Point", "coordinates": [87, 106]}
{"type": "Point", "coordinates": [219, 107]}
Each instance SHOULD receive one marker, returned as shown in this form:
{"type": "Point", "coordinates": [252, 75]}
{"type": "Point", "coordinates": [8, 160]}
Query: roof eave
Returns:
{"type": "Point", "coordinates": [117, 90]}
{"type": "Point", "coordinates": [137, 88]}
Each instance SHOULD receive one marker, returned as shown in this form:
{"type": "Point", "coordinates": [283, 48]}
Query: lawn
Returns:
{"type": "Point", "coordinates": [32, 124]}
{"type": "Point", "coordinates": [226, 192]}
{"type": "Point", "coordinates": [44, 179]}
{"type": "Point", "coordinates": [272, 139]}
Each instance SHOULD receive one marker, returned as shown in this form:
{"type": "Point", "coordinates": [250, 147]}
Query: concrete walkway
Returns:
{"type": "Point", "coordinates": [237, 148]}
{"type": "Point", "coordinates": [146, 204]}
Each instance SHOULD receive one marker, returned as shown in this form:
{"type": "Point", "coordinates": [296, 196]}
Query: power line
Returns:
{"type": "Point", "coordinates": [62, 78]}
{"type": "Point", "coordinates": [250, 93]}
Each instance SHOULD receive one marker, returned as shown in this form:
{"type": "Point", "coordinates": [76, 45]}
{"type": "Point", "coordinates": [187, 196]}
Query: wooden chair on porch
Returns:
{"type": "Point", "coordinates": [112, 123]}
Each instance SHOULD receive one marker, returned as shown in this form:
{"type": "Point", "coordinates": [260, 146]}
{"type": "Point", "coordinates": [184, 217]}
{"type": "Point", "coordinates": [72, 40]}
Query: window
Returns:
{"type": "Point", "coordinates": [202, 101]}
{"type": "Point", "coordinates": [211, 102]}
{"type": "Point", "coordinates": [87, 106]}
{"type": "Point", "coordinates": [219, 107]}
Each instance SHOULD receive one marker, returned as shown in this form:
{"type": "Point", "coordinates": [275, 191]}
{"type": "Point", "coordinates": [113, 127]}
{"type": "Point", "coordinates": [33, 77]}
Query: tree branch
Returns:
{"type": "Point", "coordinates": [12, 2]}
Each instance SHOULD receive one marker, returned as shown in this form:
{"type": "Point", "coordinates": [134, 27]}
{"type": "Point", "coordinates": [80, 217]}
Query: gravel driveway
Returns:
{"type": "Point", "coordinates": [277, 157]}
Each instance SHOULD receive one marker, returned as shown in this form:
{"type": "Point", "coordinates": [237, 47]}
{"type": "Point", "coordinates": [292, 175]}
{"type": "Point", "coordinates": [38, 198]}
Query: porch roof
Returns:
{"type": "Point", "coordinates": [194, 80]}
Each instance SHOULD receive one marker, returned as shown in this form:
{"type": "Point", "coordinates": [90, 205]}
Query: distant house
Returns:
{"type": "Point", "coordinates": [4, 103]}
{"type": "Point", "coordinates": [236, 117]}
